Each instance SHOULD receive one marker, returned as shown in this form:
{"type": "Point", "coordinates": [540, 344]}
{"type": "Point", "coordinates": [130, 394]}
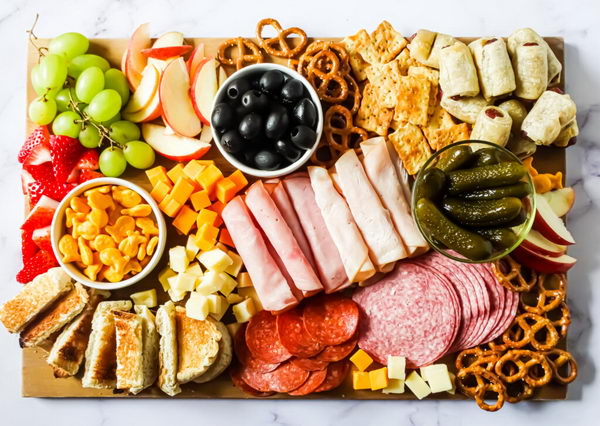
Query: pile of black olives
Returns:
{"type": "Point", "coordinates": [266, 120]}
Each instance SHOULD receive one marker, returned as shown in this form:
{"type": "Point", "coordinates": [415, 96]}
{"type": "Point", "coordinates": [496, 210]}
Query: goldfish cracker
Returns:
{"type": "Point", "coordinates": [145, 261]}
{"type": "Point", "coordinates": [126, 197]}
{"type": "Point", "coordinates": [130, 244]}
{"type": "Point", "coordinates": [151, 246]}
{"type": "Point", "coordinates": [67, 245]}
{"type": "Point", "coordinates": [100, 201]}
{"type": "Point", "coordinates": [141, 210]}
{"type": "Point", "coordinates": [72, 216]}
{"type": "Point", "coordinates": [122, 227]}
{"type": "Point", "coordinates": [91, 271]}
{"type": "Point", "coordinates": [141, 254]}
{"type": "Point", "coordinates": [132, 267]}
{"type": "Point", "coordinates": [101, 189]}
{"type": "Point", "coordinates": [112, 257]}
{"type": "Point", "coordinates": [114, 275]}
{"type": "Point", "coordinates": [88, 230]}
{"type": "Point", "coordinates": [543, 182]}
{"type": "Point", "coordinates": [79, 205]}
{"type": "Point", "coordinates": [87, 257]}
{"type": "Point", "coordinates": [98, 217]}
{"type": "Point", "coordinates": [102, 241]}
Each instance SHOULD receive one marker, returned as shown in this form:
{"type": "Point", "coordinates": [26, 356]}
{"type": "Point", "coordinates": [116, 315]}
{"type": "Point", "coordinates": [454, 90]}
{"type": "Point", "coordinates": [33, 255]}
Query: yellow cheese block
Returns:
{"type": "Point", "coordinates": [160, 191]}
{"type": "Point", "coordinates": [236, 265]}
{"type": "Point", "coordinates": [184, 282]}
{"type": "Point", "coordinates": [194, 269]}
{"type": "Point", "coordinates": [360, 380]}
{"type": "Point", "coordinates": [191, 248]}
{"type": "Point", "coordinates": [197, 306]}
{"type": "Point", "coordinates": [233, 298]}
{"type": "Point", "coordinates": [361, 360]}
{"type": "Point", "coordinates": [193, 169]}
{"type": "Point", "coordinates": [175, 295]}
{"type": "Point", "coordinates": [243, 311]}
{"type": "Point", "coordinates": [215, 260]}
{"type": "Point", "coordinates": [438, 377]}
{"type": "Point", "coordinates": [395, 386]}
{"type": "Point", "coordinates": [453, 381]}
{"type": "Point", "coordinates": [178, 260]}
{"type": "Point", "coordinates": [163, 277]}
{"type": "Point", "coordinates": [396, 367]}
{"type": "Point", "coordinates": [185, 219]}
{"type": "Point", "coordinates": [250, 292]}
{"type": "Point", "coordinates": [146, 298]}
{"type": "Point", "coordinates": [378, 378]}
{"type": "Point", "coordinates": [169, 206]}
{"type": "Point", "coordinates": [417, 385]}
{"type": "Point", "coordinates": [210, 283]}
{"type": "Point", "coordinates": [228, 284]}
{"type": "Point", "coordinates": [158, 174]}
{"type": "Point", "coordinates": [182, 190]}
{"type": "Point", "coordinates": [176, 172]}
{"type": "Point", "coordinates": [200, 200]}
{"type": "Point", "coordinates": [244, 280]}
{"type": "Point", "coordinates": [217, 306]}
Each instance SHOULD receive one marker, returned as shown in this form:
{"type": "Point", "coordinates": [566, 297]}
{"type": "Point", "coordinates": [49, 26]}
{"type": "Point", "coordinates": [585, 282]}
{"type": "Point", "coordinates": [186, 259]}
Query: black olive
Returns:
{"type": "Point", "coordinates": [253, 100]}
{"type": "Point", "coordinates": [237, 88]}
{"type": "Point", "coordinates": [247, 157]}
{"type": "Point", "coordinates": [277, 123]}
{"type": "Point", "coordinates": [271, 82]}
{"type": "Point", "coordinates": [223, 117]}
{"type": "Point", "coordinates": [267, 160]}
{"type": "Point", "coordinates": [232, 141]}
{"type": "Point", "coordinates": [250, 126]}
{"type": "Point", "coordinates": [288, 150]}
{"type": "Point", "coordinates": [305, 113]}
{"type": "Point", "coordinates": [292, 91]}
{"type": "Point", "coordinates": [303, 137]}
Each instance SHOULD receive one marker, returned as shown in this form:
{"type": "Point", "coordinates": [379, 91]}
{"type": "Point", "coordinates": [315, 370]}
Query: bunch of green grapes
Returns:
{"type": "Point", "coordinates": [82, 96]}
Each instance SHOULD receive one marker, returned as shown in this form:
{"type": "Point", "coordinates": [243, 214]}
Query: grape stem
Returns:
{"type": "Point", "coordinates": [33, 38]}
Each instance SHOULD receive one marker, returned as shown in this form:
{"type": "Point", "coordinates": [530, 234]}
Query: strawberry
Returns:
{"type": "Point", "coordinates": [35, 265]}
{"type": "Point", "coordinates": [89, 160]}
{"type": "Point", "coordinates": [74, 175]}
{"type": "Point", "coordinates": [65, 152]}
{"type": "Point", "coordinates": [39, 181]}
{"type": "Point", "coordinates": [41, 215]}
{"type": "Point", "coordinates": [86, 175]}
{"type": "Point", "coordinates": [41, 238]}
{"type": "Point", "coordinates": [28, 247]}
{"type": "Point", "coordinates": [35, 146]}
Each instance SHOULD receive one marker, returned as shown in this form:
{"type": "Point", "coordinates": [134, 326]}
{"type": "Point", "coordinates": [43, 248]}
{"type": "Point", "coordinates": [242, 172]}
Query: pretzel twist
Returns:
{"type": "Point", "coordinates": [514, 276]}
{"type": "Point", "coordinates": [246, 53]}
{"type": "Point", "coordinates": [339, 129]}
{"type": "Point", "coordinates": [524, 361]}
{"type": "Point", "coordinates": [485, 382]}
{"type": "Point", "coordinates": [557, 359]}
{"type": "Point", "coordinates": [549, 292]}
{"type": "Point", "coordinates": [279, 45]}
{"type": "Point", "coordinates": [515, 340]}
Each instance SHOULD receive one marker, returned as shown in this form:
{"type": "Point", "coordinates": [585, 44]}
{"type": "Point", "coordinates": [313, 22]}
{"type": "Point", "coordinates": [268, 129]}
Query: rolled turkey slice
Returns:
{"type": "Point", "coordinates": [373, 220]}
{"type": "Point", "coordinates": [269, 282]}
{"type": "Point", "coordinates": [279, 234]}
{"type": "Point", "coordinates": [327, 257]}
{"type": "Point", "coordinates": [341, 226]}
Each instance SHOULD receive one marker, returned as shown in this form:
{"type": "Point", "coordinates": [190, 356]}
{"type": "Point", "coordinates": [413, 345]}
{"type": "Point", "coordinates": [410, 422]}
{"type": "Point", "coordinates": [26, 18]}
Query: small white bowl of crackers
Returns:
{"type": "Point", "coordinates": [108, 233]}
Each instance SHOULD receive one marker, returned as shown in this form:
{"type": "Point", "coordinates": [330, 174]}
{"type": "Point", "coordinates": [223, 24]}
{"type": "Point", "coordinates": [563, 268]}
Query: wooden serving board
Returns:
{"type": "Point", "coordinates": [37, 377]}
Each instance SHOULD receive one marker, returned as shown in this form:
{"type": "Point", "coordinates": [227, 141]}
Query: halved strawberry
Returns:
{"type": "Point", "coordinates": [65, 152]}
{"type": "Point", "coordinates": [86, 175]}
{"type": "Point", "coordinates": [41, 238]}
{"type": "Point", "coordinates": [28, 247]}
{"type": "Point", "coordinates": [89, 160]}
{"type": "Point", "coordinates": [34, 149]}
{"type": "Point", "coordinates": [41, 215]}
{"type": "Point", "coordinates": [39, 180]}
{"type": "Point", "coordinates": [35, 265]}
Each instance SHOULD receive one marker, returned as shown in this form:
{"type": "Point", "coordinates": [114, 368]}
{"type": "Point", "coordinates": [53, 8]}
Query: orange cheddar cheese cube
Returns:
{"type": "Point", "coordinates": [185, 219]}
{"type": "Point", "coordinates": [239, 179]}
{"type": "Point", "coordinates": [176, 172]}
{"type": "Point", "coordinates": [217, 206]}
{"type": "Point", "coordinates": [157, 174]}
{"type": "Point", "coordinates": [200, 200]}
{"type": "Point", "coordinates": [360, 380]}
{"type": "Point", "coordinates": [209, 177]}
{"type": "Point", "coordinates": [206, 162]}
{"type": "Point", "coordinates": [182, 190]}
{"type": "Point", "coordinates": [161, 190]}
{"type": "Point", "coordinates": [206, 237]}
{"type": "Point", "coordinates": [361, 360]}
{"type": "Point", "coordinates": [225, 238]}
{"type": "Point", "coordinates": [169, 206]}
{"type": "Point", "coordinates": [206, 216]}
{"type": "Point", "coordinates": [193, 169]}
{"type": "Point", "coordinates": [378, 378]}
{"type": "Point", "coordinates": [225, 190]}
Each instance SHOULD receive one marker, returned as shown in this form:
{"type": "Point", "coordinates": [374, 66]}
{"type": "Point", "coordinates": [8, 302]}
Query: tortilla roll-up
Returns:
{"type": "Point", "coordinates": [458, 75]}
{"type": "Point", "coordinates": [341, 226]}
{"type": "Point", "coordinates": [521, 146]}
{"type": "Point", "coordinates": [271, 286]}
{"type": "Point", "coordinates": [530, 63]}
{"type": "Point", "coordinates": [426, 45]}
{"type": "Point", "coordinates": [496, 75]}
{"type": "Point", "coordinates": [464, 108]}
{"type": "Point", "coordinates": [492, 125]}
{"type": "Point", "coordinates": [279, 234]}
{"type": "Point", "coordinates": [527, 35]}
{"type": "Point", "coordinates": [567, 135]}
{"type": "Point", "coordinates": [549, 116]}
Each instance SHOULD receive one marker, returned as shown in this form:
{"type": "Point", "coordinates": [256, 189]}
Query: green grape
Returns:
{"type": "Point", "coordinates": [112, 162]}
{"type": "Point", "coordinates": [52, 71]}
{"type": "Point", "coordinates": [124, 131]}
{"type": "Point", "coordinates": [115, 79]}
{"type": "Point", "coordinates": [63, 99]}
{"type": "Point", "coordinates": [38, 87]}
{"type": "Point", "coordinates": [139, 154]}
{"type": "Point", "coordinates": [90, 136]}
{"type": "Point", "coordinates": [80, 63]}
{"type": "Point", "coordinates": [66, 123]}
{"type": "Point", "coordinates": [89, 84]}
{"type": "Point", "coordinates": [104, 105]}
{"type": "Point", "coordinates": [112, 120]}
{"type": "Point", "coordinates": [42, 110]}
{"type": "Point", "coordinates": [69, 45]}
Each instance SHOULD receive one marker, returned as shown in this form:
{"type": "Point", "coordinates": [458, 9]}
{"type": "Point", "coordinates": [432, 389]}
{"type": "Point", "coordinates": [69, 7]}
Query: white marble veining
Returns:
{"type": "Point", "coordinates": [576, 21]}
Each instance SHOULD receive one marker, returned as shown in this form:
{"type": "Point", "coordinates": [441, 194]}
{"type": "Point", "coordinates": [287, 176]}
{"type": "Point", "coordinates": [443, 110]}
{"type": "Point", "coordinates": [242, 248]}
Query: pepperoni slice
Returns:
{"type": "Point", "coordinates": [284, 378]}
{"type": "Point", "coordinates": [331, 320]}
{"type": "Point", "coordinates": [293, 335]}
{"type": "Point", "coordinates": [337, 352]}
{"type": "Point", "coordinates": [262, 339]}
{"type": "Point", "coordinates": [315, 379]}
{"type": "Point", "coordinates": [235, 374]}
{"type": "Point", "coordinates": [336, 373]}
{"type": "Point", "coordinates": [245, 357]}
{"type": "Point", "coordinates": [310, 364]}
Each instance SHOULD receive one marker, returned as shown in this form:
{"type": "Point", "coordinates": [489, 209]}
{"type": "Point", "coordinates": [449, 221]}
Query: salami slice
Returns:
{"type": "Point", "coordinates": [337, 352]}
{"type": "Point", "coordinates": [238, 382]}
{"type": "Point", "coordinates": [310, 364]}
{"type": "Point", "coordinates": [497, 303]}
{"type": "Point", "coordinates": [245, 357]}
{"type": "Point", "coordinates": [262, 338]}
{"type": "Point", "coordinates": [331, 320]}
{"type": "Point", "coordinates": [284, 378]}
{"type": "Point", "coordinates": [293, 335]}
{"type": "Point", "coordinates": [336, 373]}
{"type": "Point", "coordinates": [315, 379]}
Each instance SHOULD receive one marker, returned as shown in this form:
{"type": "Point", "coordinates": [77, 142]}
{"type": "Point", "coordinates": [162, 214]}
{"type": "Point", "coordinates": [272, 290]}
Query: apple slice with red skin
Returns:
{"type": "Point", "coordinates": [541, 263]}
{"type": "Point", "coordinates": [136, 62]}
{"type": "Point", "coordinates": [148, 87]}
{"type": "Point", "coordinates": [174, 147]}
{"type": "Point", "coordinates": [536, 242]}
{"type": "Point", "coordinates": [561, 200]}
{"type": "Point", "coordinates": [195, 58]}
{"type": "Point", "coordinates": [204, 89]}
{"type": "Point", "coordinates": [549, 224]}
{"type": "Point", "coordinates": [151, 112]}
{"type": "Point", "coordinates": [170, 39]}
{"type": "Point", "coordinates": [166, 52]}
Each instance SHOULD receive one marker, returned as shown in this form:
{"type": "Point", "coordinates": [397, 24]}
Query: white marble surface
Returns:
{"type": "Point", "coordinates": [576, 21]}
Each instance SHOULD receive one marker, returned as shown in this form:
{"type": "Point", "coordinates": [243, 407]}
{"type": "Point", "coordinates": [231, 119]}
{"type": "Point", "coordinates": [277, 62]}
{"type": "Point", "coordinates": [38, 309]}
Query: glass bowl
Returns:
{"type": "Point", "coordinates": [521, 230]}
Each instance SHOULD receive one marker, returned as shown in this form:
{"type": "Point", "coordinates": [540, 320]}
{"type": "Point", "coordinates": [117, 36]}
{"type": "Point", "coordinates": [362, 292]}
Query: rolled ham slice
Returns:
{"type": "Point", "coordinates": [279, 234]}
{"type": "Point", "coordinates": [373, 220]}
{"type": "Point", "coordinates": [341, 226]}
{"type": "Point", "coordinates": [327, 257]}
{"type": "Point", "coordinates": [269, 282]}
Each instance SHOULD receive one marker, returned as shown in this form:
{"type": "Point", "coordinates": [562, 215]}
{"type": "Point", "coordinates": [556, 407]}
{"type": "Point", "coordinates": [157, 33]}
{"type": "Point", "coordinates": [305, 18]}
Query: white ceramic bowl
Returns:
{"type": "Point", "coordinates": [58, 230]}
{"type": "Point", "coordinates": [257, 68]}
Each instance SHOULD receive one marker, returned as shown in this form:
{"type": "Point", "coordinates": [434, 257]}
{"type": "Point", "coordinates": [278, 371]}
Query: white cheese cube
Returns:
{"type": "Point", "coordinates": [185, 282]}
{"type": "Point", "coordinates": [233, 298]}
{"type": "Point", "coordinates": [233, 328]}
{"type": "Point", "coordinates": [163, 277]}
{"type": "Point", "coordinates": [234, 268]}
{"type": "Point", "coordinates": [210, 283]}
{"type": "Point", "coordinates": [453, 381]}
{"type": "Point", "coordinates": [244, 280]}
{"type": "Point", "coordinates": [178, 259]}
{"type": "Point", "coordinates": [176, 296]}
{"type": "Point", "coordinates": [250, 292]}
{"type": "Point", "coordinates": [437, 377]}
{"type": "Point", "coordinates": [191, 249]}
{"type": "Point", "coordinates": [217, 306]}
{"type": "Point", "coordinates": [215, 260]}
{"type": "Point", "coordinates": [417, 385]}
{"type": "Point", "coordinates": [194, 269]}
{"type": "Point", "coordinates": [228, 284]}
{"type": "Point", "coordinates": [396, 366]}
{"type": "Point", "coordinates": [146, 298]}
{"type": "Point", "coordinates": [243, 311]}
{"type": "Point", "coordinates": [394, 386]}
{"type": "Point", "coordinates": [197, 307]}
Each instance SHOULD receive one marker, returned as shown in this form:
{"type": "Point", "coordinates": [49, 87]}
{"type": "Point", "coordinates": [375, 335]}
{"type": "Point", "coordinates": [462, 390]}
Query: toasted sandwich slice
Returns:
{"type": "Point", "coordinates": [34, 298]}
{"type": "Point", "coordinates": [167, 354]}
{"type": "Point", "coordinates": [223, 358]}
{"type": "Point", "coordinates": [150, 348]}
{"type": "Point", "coordinates": [101, 354]}
{"type": "Point", "coordinates": [197, 345]}
{"type": "Point", "coordinates": [68, 350]}
{"type": "Point", "coordinates": [130, 348]}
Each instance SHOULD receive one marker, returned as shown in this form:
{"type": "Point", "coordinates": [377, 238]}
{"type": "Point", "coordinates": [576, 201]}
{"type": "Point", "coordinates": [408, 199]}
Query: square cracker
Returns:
{"type": "Point", "coordinates": [372, 115]}
{"type": "Point", "coordinates": [384, 78]}
{"type": "Point", "coordinates": [434, 77]}
{"type": "Point", "coordinates": [359, 66]}
{"type": "Point", "coordinates": [362, 44]}
{"type": "Point", "coordinates": [387, 42]}
{"type": "Point", "coordinates": [405, 61]}
{"type": "Point", "coordinates": [413, 100]}
{"type": "Point", "coordinates": [411, 146]}
{"type": "Point", "coordinates": [442, 131]}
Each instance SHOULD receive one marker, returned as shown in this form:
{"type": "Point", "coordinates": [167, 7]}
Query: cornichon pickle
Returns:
{"type": "Point", "coordinates": [519, 190]}
{"type": "Point", "coordinates": [500, 174]}
{"type": "Point", "coordinates": [482, 212]}
{"type": "Point", "coordinates": [455, 158]}
{"type": "Point", "coordinates": [501, 238]}
{"type": "Point", "coordinates": [489, 156]}
{"type": "Point", "coordinates": [431, 184]}
{"type": "Point", "coordinates": [467, 243]}
{"type": "Point", "coordinates": [519, 220]}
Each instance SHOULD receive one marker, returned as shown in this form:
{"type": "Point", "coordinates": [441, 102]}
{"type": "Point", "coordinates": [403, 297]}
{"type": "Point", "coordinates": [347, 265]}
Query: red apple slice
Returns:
{"type": "Point", "coordinates": [148, 87]}
{"type": "Point", "coordinates": [541, 263]}
{"type": "Point", "coordinates": [166, 52]}
{"type": "Point", "coordinates": [174, 147]}
{"type": "Point", "coordinates": [170, 39]}
{"type": "Point", "coordinates": [204, 89]}
{"type": "Point", "coordinates": [151, 112]}
{"type": "Point", "coordinates": [549, 224]}
{"type": "Point", "coordinates": [206, 134]}
{"type": "Point", "coordinates": [174, 90]}
{"type": "Point", "coordinates": [195, 58]}
{"type": "Point", "coordinates": [561, 200]}
{"type": "Point", "coordinates": [222, 76]}
{"type": "Point", "coordinates": [536, 242]}
{"type": "Point", "coordinates": [136, 62]}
